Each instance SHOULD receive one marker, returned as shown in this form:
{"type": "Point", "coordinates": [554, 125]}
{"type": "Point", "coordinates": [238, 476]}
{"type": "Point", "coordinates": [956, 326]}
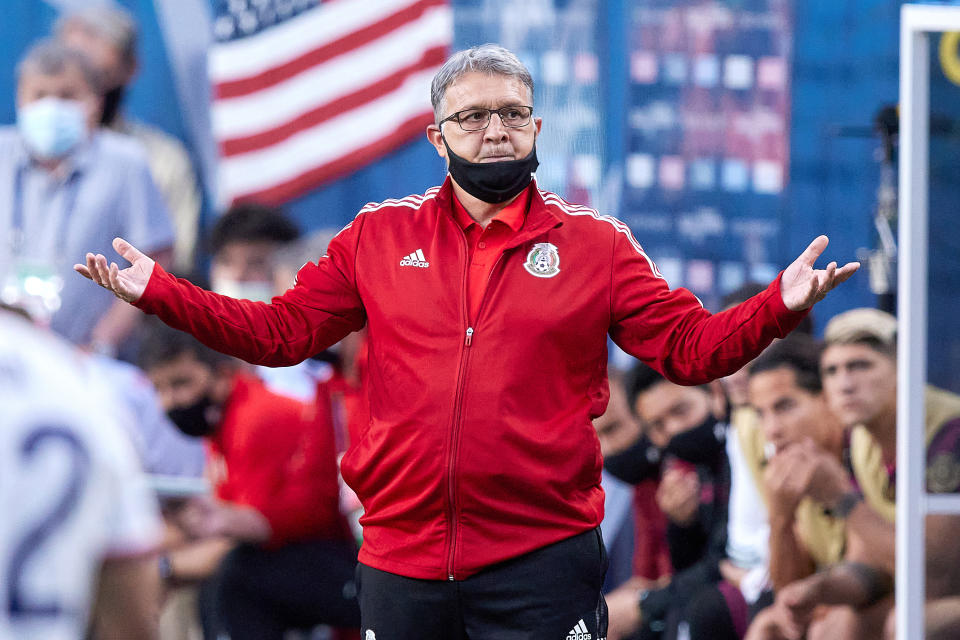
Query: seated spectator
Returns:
{"type": "Point", "coordinates": [681, 424]}
{"type": "Point", "coordinates": [273, 465]}
{"type": "Point", "coordinates": [786, 391]}
{"type": "Point", "coordinates": [164, 450]}
{"type": "Point", "coordinates": [859, 377]}
{"type": "Point", "coordinates": [724, 590]}
{"type": "Point", "coordinates": [107, 35]}
{"type": "Point", "coordinates": [68, 187]}
{"type": "Point", "coordinates": [256, 253]}
{"type": "Point", "coordinates": [244, 244]}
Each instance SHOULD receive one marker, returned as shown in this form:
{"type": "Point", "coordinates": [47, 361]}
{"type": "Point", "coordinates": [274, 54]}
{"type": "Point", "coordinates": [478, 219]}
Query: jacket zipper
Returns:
{"type": "Point", "coordinates": [457, 416]}
{"type": "Point", "coordinates": [458, 400]}
{"type": "Point", "coordinates": [454, 448]}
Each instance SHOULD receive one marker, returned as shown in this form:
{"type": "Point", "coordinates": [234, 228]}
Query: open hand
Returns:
{"type": "Point", "coordinates": [127, 284]}
{"type": "Point", "coordinates": [802, 286]}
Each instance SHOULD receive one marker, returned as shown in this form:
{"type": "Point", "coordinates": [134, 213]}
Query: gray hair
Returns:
{"type": "Point", "coordinates": [487, 58]}
{"type": "Point", "coordinates": [50, 57]}
{"type": "Point", "coordinates": [113, 24]}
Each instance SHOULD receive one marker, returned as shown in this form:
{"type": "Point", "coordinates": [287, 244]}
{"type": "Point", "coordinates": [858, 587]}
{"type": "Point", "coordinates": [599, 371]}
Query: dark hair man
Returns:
{"type": "Point", "coordinates": [785, 390]}
{"type": "Point", "coordinates": [858, 368]}
{"type": "Point", "coordinates": [273, 466]}
{"type": "Point", "coordinates": [244, 244]}
{"type": "Point", "coordinates": [488, 302]}
{"type": "Point", "coordinates": [682, 425]}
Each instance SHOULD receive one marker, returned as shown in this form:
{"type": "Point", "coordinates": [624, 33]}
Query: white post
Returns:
{"type": "Point", "coordinates": [912, 326]}
{"type": "Point", "coordinates": [913, 502]}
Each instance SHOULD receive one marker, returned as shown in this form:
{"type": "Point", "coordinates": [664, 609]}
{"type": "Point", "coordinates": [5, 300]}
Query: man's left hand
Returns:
{"type": "Point", "coordinates": [802, 286]}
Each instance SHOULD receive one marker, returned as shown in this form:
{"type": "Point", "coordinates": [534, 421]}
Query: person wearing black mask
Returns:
{"type": "Point", "coordinates": [684, 444]}
{"type": "Point", "coordinates": [271, 548]}
{"type": "Point", "coordinates": [107, 35]}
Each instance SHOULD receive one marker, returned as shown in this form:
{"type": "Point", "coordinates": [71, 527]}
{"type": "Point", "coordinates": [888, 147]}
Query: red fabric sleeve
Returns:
{"type": "Point", "coordinates": [318, 311]}
{"type": "Point", "coordinates": [672, 332]}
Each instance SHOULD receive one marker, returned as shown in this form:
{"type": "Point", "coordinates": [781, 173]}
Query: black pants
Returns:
{"type": "Point", "coordinates": [261, 593]}
{"type": "Point", "coordinates": [552, 593]}
{"type": "Point", "coordinates": [709, 615]}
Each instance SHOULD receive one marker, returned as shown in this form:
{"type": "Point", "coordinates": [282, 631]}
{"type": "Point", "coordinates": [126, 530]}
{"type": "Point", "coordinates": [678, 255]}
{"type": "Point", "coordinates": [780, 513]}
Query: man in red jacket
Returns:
{"type": "Point", "coordinates": [488, 302]}
{"type": "Point", "coordinates": [272, 461]}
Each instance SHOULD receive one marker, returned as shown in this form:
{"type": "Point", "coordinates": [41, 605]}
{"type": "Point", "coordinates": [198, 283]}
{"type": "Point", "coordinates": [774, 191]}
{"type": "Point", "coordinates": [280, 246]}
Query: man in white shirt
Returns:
{"type": "Point", "coordinates": [79, 522]}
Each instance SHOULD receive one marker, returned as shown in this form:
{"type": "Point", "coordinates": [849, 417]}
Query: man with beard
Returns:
{"type": "Point", "coordinates": [107, 35]}
{"type": "Point", "coordinates": [488, 302]}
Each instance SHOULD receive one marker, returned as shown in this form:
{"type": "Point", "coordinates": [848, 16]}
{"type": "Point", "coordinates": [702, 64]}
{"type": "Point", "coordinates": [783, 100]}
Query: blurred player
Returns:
{"type": "Point", "coordinates": [79, 523]}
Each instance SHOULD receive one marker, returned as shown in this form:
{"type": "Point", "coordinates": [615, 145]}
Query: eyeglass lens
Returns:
{"type": "Point", "coordinates": [476, 119]}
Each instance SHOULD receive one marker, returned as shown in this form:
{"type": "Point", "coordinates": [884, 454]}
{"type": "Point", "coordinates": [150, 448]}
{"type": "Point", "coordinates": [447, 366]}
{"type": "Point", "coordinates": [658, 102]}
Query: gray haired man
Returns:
{"type": "Point", "coordinates": [488, 302]}
{"type": "Point", "coordinates": [66, 187]}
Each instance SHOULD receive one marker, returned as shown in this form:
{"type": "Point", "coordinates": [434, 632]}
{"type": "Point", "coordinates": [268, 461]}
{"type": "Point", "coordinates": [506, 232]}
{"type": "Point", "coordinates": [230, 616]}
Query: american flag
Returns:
{"type": "Point", "coordinates": [305, 91]}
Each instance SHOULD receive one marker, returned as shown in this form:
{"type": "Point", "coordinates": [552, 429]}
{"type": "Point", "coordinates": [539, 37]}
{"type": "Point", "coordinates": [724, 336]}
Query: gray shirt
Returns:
{"type": "Point", "coordinates": [103, 190]}
{"type": "Point", "coordinates": [163, 449]}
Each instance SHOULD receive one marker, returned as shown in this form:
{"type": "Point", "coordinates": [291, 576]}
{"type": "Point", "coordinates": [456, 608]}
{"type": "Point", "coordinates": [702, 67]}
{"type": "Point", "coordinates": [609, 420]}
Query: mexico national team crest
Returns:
{"type": "Point", "coordinates": [543, 260]}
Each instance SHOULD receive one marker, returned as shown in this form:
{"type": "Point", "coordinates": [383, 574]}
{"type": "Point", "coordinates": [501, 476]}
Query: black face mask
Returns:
{"type": "Point", "coordinates": [112, 100]}
{"type": "Point", "coordinates": [192, 420]}
{"type": "Point", "coordinates": [701, 444]}
{"type": "Point", "coordinates": [493, 182]}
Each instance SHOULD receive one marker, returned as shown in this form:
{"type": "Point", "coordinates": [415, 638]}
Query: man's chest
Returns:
{"type": "Point", "coordinates": [430, 283]}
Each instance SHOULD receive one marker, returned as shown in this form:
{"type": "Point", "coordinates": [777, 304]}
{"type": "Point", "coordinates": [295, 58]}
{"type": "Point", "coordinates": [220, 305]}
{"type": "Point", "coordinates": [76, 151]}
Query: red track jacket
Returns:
{"type": "Point", "coordinates": [480, 445]}
{"type": "Point", "coordinates": [277, 455]}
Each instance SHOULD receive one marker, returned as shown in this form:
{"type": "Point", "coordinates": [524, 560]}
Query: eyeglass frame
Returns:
{"type": "Point", "coordinates": [456, 117]}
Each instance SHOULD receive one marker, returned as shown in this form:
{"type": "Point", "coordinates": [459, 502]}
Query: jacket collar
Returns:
{"type": "Point", "coordinates": [540, 217]}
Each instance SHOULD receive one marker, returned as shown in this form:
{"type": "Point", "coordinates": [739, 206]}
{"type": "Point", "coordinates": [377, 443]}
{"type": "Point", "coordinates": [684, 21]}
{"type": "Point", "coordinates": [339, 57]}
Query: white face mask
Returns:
{"type": "Point", "coordinates": [52, 127]}
{"type": "Point", "coordinates": [256, 290]}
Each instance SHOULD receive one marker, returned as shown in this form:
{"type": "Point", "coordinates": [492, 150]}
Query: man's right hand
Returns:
{"type": "Point", "coordinates": [784, 481]}
{"type": "Point", "coordinates": [678, 496]}
{"type": "Point", "coordinates": [127, 284]}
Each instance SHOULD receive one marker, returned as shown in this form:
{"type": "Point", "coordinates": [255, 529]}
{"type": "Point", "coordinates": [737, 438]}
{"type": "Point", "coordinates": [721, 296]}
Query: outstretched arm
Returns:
{"type": "Point", "coordinates": [672, 332]}
{"type": "Point", "coordinates": [319, 310]}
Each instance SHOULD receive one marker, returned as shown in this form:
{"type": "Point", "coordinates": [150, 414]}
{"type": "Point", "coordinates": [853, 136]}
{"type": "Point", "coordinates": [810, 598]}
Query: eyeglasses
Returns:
{"type": "Point", "coordinates": [478, 119]}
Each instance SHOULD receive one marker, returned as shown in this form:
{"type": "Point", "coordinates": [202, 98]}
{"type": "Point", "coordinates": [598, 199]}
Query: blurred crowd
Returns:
{"type": "Point", "coordinates": [764, 502]}
{"type": "Point", "coordinates": [759, 506]}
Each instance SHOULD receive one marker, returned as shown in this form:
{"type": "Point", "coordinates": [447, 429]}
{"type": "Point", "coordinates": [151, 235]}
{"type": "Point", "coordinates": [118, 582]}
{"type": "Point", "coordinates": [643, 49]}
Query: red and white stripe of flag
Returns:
{"type": "Point", "coordinates": [324, 93]}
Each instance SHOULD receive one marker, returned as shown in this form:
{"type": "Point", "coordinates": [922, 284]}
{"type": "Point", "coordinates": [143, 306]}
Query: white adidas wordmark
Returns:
{"type": "Point", "coordinates": [415, 259]}
{"type": "Point", "coordinates": [579, 632]}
